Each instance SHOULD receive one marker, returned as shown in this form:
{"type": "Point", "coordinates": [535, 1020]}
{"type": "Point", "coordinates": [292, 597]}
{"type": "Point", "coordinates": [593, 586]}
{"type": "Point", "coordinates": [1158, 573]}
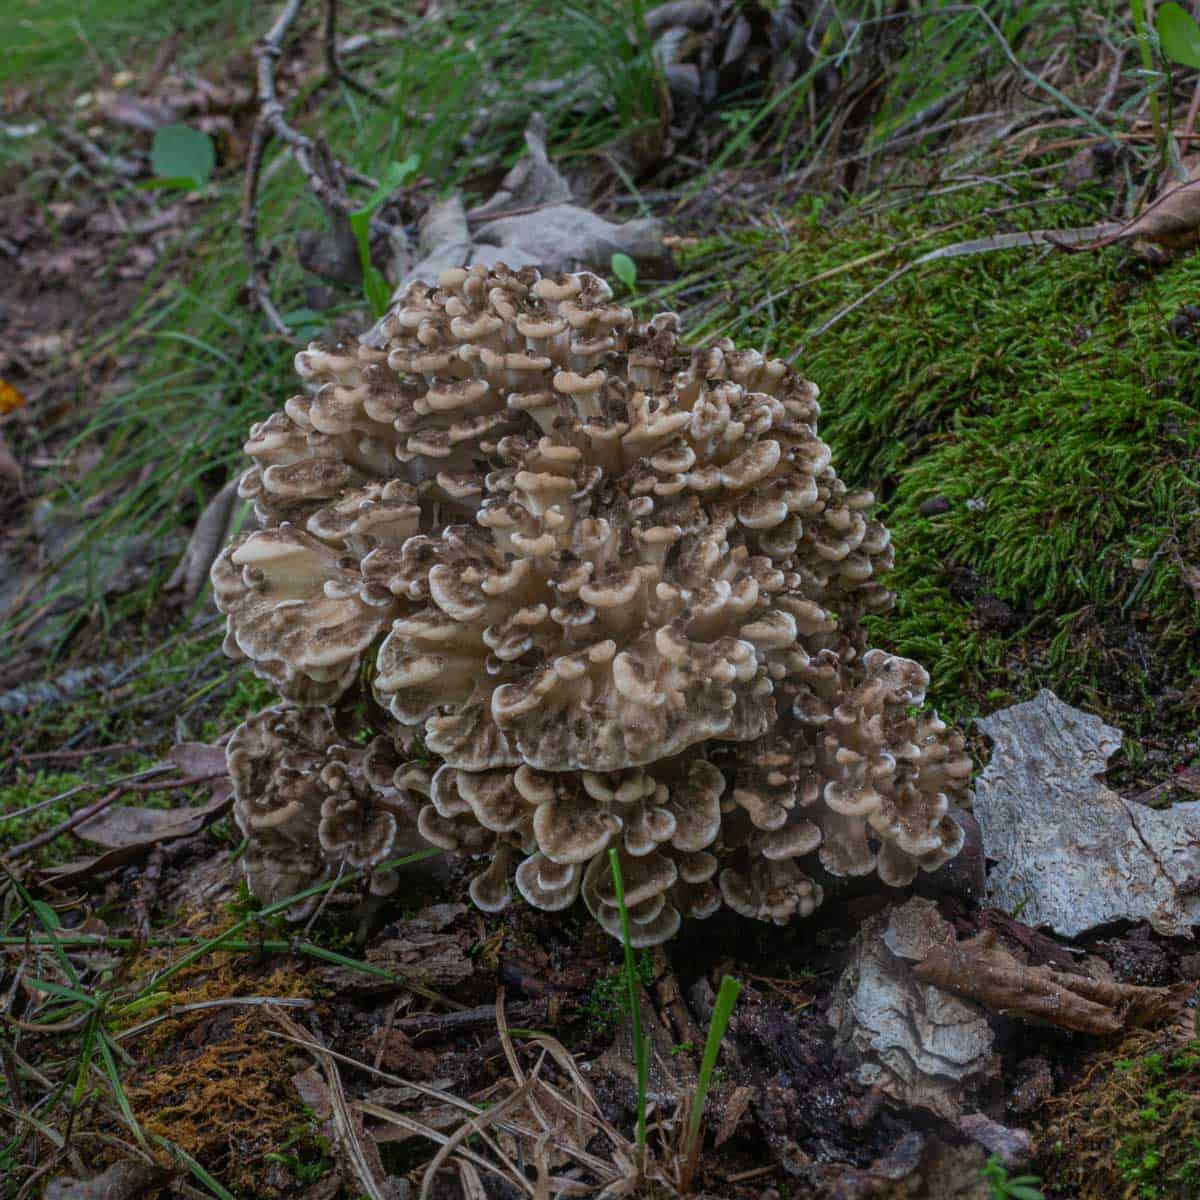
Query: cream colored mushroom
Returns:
{"type": "Point", "coordinates": [613, 583]}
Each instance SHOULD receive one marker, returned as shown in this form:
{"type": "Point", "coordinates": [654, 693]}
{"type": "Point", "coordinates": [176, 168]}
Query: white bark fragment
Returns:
{"type": "Point", "coordinates": [917, 1043]}
{"type": "Point", "coordinates": [1070, 853]}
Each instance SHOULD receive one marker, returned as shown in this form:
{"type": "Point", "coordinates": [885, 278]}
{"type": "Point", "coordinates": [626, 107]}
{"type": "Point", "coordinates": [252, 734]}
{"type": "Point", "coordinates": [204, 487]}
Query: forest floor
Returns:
{"type": "Point", "coordinates": [844, 189]}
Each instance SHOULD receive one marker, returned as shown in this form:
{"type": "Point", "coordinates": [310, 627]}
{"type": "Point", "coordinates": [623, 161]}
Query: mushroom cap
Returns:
{"type": "Point", "coordinates": [299, 610]}
{"type": "Point", "coordinates": [303, 801]}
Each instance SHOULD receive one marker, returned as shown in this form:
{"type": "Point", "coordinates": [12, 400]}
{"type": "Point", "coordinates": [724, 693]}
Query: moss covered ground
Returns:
{"type": "Point", "coordinates": [1131, 1128]}
{"type": "Point", "coordinates": [1030, 419]}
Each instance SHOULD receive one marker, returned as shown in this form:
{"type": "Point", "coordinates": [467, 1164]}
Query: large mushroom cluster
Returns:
{"type": "Point", "coordinates": [609, 585]}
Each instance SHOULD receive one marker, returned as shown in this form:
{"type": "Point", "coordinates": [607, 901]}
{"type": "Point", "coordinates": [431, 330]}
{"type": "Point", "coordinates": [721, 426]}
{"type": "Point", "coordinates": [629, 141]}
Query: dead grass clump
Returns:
{"type": "Point", "coordinates": [1131, 1126]}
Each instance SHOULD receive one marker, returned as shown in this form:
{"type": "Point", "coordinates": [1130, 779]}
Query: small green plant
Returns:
{"type": "Point", "coordinates": [726, 999]}
{"type": "Point", "coordinates": [1004, 1187]}
{"type": "Point", "coordinates": [181, 157]}
{"type": "Point", "coordinates": [625, 269]}
{"type": "Point", "coordinates": [641, 1048]}
{"type": "Point", "coordinates": [608, 1000]}
{"type": "Point", "coordinates": [305, 1153]}
{"type": "Point", "coordinates": [375, 285]}
{"type": "Point", "coordinates": [1178, 35]}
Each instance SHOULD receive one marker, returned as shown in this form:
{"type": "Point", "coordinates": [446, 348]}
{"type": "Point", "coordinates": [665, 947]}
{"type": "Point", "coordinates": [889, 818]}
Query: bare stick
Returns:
{"type": "Point", "coordinates": [326, 175]}
{"type": "Point", "coordinates": [332, 61]}
{"type": "Point", "coordinates": [249, 225]}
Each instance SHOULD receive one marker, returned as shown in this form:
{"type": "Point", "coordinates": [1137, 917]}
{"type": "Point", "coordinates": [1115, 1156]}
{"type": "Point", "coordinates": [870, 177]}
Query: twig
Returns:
{"type": "Point", "coordinates": [1093, 236]}
{"type": "Point", "coordinates": [531, 1013]}
{"type": "Point", "coordinates": [86, 752]}
{"type": "Point", "coordinates": [325, 174]}
{"type": "Point", "coordinates": [96, 157]}
{"type": "Point", "coordinates": [332, 61]}
{"type": "Point", "coordinates": [248, 221]}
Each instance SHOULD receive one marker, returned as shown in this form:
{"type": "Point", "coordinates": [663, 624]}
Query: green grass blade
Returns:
{"type": "Point", "coordinates": [641, 1056]}
{"type": "Point", "coordinates": [114, 1078]}
{"type": "Point", "coordinates": [217, 1189]}
{"type": "Point", "coordinates": [722, 1010]}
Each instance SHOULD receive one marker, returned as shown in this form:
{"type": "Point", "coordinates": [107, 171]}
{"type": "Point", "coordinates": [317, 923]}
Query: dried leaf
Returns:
{"type": "Point", "coordinates": [982, 969]}
{"type": "Point", "coordinates": [122, 1181]}
{"type": "Point", "coordinates": [735, 1110]}
{"type": "Point", "coordinates": [10, 398]}
{"type": "Point", "coordinates": [81, 869]}
{"type": "Point", "coordinates": [1173, 218]}
{"type": "Point", "coordinates": [119, 828]}
{"type": "Point", "coordinates": [198, 758]}
{"type": "Point", "coordinates": [530, 220]}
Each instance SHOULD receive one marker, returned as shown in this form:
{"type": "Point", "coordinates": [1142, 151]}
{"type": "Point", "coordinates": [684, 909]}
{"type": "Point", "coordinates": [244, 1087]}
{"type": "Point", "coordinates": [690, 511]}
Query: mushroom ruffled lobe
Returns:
{"type": "Point", "coordinates": [303, 801]}
{"type": "Point", "coordinates": [888, 771]}
{"type": "Point", "coordinates": [613, 583]}
{"type": "Point", "coordinates": [646, 570]}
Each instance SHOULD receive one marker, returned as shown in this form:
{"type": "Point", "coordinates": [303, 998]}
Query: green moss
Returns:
{"type": "Point", "coordinates": [77, 791]}
{"type": "Point", "coordinates": [608, 1001]}
{"type": "Point", "coordinates": [29, 789]}
{"type": "Point", "coordinates": [1133, 1129]}
{"type": "Point", "coordinates": [1046, 397]}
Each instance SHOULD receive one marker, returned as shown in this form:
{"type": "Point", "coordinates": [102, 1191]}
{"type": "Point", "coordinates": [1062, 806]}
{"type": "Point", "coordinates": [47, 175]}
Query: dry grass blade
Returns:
{"type": "Point", "coordinates": [348, 1137]}
{"type": "Point", "coordinates": [411, 1125]}
{"type": "Point", "coordinates": [476, 1125]}
{"type": "Point", "coordinates": [178, 1010]}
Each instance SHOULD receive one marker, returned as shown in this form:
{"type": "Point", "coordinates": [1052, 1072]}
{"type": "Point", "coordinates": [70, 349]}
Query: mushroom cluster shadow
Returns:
{"type": "Point", "coordinates": [537, 580]}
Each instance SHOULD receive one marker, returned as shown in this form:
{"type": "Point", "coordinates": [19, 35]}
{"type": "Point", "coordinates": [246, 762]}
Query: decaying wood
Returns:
{"type": "Point", "coordinates": [981, 969]}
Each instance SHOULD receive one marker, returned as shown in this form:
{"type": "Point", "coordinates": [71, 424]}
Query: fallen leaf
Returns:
{"type": "Point", "coordinates": [118, 828]}
{"type": "Point", "coordinates": [10, 398]}
{"type": "Point", "coordinates": [734, 1110]}
{"type": "Point", "coordinates": [121, 1181]}
{"type": "Point", "coordinates": [198, 758]}
{"type": "Point", "coordinates": [529, 221]}
{"type": "Point", "coordinates": [1172, 218]}
{"type": "Point", "coordinates": [983, 970]}
{"type": "Point", "coordinates": [80, 869]}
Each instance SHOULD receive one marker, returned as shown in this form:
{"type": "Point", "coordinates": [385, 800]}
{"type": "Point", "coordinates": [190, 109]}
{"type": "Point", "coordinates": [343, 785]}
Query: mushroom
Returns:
{"type": "Point", "coordinates": [305, 805]}
{"type": "Point", "coordinates": [612, 584]}
{"type": "Point", "coordinates": [887, 771]}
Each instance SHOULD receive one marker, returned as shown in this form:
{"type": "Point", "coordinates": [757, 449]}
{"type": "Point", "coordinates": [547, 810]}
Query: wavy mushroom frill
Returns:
{"type": "Point", "coordinates": [450, 369]}
{"type": "Point", "coordinates": [888, 772]}
{"type": "Point", "coordinates": [638, 581]}
{"type": "Point", "coordinates": [303, 801]}
{"type": "Point", "coordinates": [296, 601]}
{"type": "Point", "coordinates": [561, 826]}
